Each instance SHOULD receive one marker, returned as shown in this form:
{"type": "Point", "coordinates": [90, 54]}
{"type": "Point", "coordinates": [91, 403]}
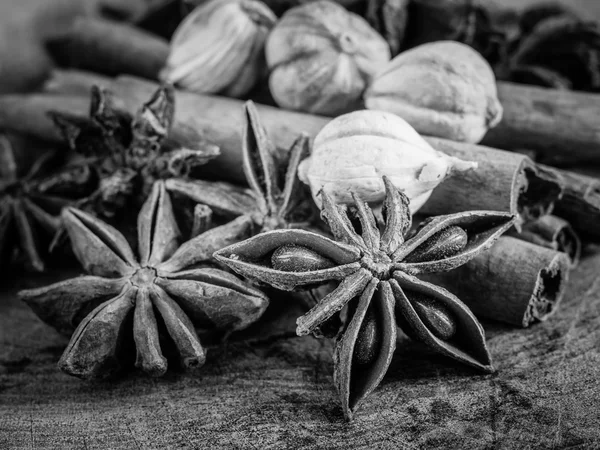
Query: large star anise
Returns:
{"type": "Point", "coordinates": [30, 203]}
{"type": "Point", "coordinates": [130, 153]}
{"type": "Point", "coordinates": [152, 301]}
{"type": "Point", "coordinates": [276, 198]}
{"type": "Point", "coordinates": [377, 273]}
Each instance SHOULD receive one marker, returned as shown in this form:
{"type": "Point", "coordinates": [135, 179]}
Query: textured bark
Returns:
{"type": "Point", "coordinates": [503, 181]}
{"type": "Point", "coordinates": [559, 125]}
{"type": "Point", "coordinates": [580, 204]}
{"type": "Point", "coordinates": [515, 282]}
{"type": "Point", "coordinates": [110, 48]}
{"type": "Point", "coordinates": [277, 392]}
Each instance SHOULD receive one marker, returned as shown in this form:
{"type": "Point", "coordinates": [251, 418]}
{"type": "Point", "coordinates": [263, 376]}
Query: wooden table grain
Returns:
{"type": "Point", "coordinates": [275, 390]}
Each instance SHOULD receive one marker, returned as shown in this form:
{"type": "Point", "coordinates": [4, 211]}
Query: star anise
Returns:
{"type": "Point", "coordinates": [30, 204]}
{"type": "Point", "coordinates": [276, 198]}
{"type": "Point", "coordinates": [152, 301]}
{"type": "Point", "coordinates": [560, 51]}
{"type": "Point", "coordinates": [377, 273]}
{"type": "Point", "coordinates": [130, 153]}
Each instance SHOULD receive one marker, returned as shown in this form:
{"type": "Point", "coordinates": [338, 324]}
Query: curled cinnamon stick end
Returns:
{"type": "Point", "coordinates": [514, 282]}
{"type": "Point", "coordinates": [503, 181]}
{"type": "Point", "coordinates": [110, 48]}
{"type": "Point", "coordinates": [554, 233]}
{"type": "Point", "coordinates": [580, 204]}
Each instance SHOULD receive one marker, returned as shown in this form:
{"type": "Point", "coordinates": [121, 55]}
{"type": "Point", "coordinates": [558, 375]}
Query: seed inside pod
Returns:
{"type": "Point", "coordinates": [441, 245]}
{"type": "Point", "coordinates": [436, 316]}
{"type": "Point", "coordinates": [368, 340]}
{"type": "Point", "coordinates": [296, 258]}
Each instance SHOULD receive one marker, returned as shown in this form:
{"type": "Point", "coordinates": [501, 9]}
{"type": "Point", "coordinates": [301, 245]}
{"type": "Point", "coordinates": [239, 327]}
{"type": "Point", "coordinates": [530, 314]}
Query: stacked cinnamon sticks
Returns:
{"type": "Point", "coordinates": [520, 281]}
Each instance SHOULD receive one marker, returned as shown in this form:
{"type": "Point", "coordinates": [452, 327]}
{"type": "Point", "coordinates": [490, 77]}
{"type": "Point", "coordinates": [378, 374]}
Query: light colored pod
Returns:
{"type": "Point", "coordinates": [322, 57]}
{"type": "Point", "coordinates": [352, 153]}
{"type": "Point", "coordinates": [220, 47]}
{"type": "Point", "coordinates": [443, 89]}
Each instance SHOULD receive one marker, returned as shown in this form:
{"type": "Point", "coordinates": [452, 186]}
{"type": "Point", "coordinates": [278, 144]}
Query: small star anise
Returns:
{"type": "Point", "coordinates": [376, 270]}
{"type": "Point", "coordinates": [276, 198]}
{"type": "Point", "coordinates": [30, 205]}
{"type": "Point", "coordinates": [130, 153]}
{"type": "Point", "coordinates": [153, 302]}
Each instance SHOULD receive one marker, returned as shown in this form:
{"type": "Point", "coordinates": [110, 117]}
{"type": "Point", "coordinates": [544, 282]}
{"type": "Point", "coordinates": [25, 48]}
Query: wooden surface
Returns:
{"type": "Point", "coordinates": [276, 391]}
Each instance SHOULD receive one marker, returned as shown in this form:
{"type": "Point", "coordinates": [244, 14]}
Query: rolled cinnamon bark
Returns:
{"type": "Point", "coordinates": [504, 181]}
{"type": "Point", "coordinates": [27, 114]}
{"type": "Point", "coordinates": [74, 82]}
{"type": "Point", "coordinates": [554, 233]}
{"type": "Point", "coordinates": [559, 125]}
{"type": "Point", "coordinates": [580, 204]}
{"type": "Point", "coordinates": [514, 282]}
{"type": "Point", "coordinates": [110, 48]}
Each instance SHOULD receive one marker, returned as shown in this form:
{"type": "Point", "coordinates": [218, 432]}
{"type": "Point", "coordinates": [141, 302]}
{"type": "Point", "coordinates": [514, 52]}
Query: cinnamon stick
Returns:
{"type": "Point", "coordinates": [27, 114]}
{"type": "Point", "coordinates": [514, 282]}
{"type": "Point", "coordinates": [559, 125]}
{"type": "Point", "coordinates": [74, 82]}
{"type": "Point", "coordinates": [554, 233]}
{"type": "Point", "coordinates": [504, 181]}
{"type": "Point", "coordinates": [580, 204]}
{"type": "Point", "coordinates": [110, 48]}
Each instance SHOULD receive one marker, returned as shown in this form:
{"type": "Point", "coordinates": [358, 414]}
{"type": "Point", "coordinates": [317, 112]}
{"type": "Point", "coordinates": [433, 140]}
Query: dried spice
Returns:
{"type": "Point", "coordinates": [276, 199]}
{"type": "Point", "coordinates": [389, 18]}
{"type": "Point", "coordinates": [353, 151]}
{"type": "Point", "coordinates": [30, 203]}
{"type": "Point", "coordinates": [152, 302]}
{"type": "Point", "coordinates": [487, 28]}
{"type": "Point", "coordinates": [130, 153]}
{"type": "Point", "coordinates": [321, 57]}
{"type": "Point", "coordinates": [444, 89]}
{"type": "Point", "coordinates": [561, 51]}
{"type": "Point", "coordinates": [219, 47]}
{"type": "Point", "coordinates": [377, 273]}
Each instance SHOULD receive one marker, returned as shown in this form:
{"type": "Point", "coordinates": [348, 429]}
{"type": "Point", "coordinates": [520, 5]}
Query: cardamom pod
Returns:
{"type": "Point", "coordinates": [443, 89]}
{"type": "Point", "coordinates": [353, 151]}
{"type": "Point", "coordinates": [219, 47]}
{"type": "Point", "coordinates": [321, 58]}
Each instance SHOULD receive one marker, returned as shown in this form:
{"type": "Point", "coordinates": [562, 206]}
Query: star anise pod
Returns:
{"type": "Point", "coordinates": [560, 51]}
{"type": "Point", "coordinates": [486, 27]}
{"type": "Point", "coordinates": [30, 203]}
{"type": "Point", "coordinates": [130, 153]}
{"type": "Point", "coordinates": [276, 198]}
{"type": "Point", "coordinates": [153, 301]}
{"type": "Point", "coordinates": [377, 273]}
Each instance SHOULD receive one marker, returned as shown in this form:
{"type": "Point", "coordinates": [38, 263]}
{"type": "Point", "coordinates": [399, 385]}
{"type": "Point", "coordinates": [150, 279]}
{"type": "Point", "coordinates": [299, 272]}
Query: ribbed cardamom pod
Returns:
{"type": "Point", "coordinates": [443, 89]}
{"type": "Point", "coordinates": [353, 151]}
{"type": "Point", "coordinates": [322, 57]}
{"type": "Point", "coordinates": [219, 47]}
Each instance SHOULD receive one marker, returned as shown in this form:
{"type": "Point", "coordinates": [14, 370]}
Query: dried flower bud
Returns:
{"type": "Point", "coordinates": [219, 47]}
{"type": "Point", "coordinates": [321, 58]}
{"type": "Point", "coordinates": [443, 89]}
{"type": "Point", "coordinates": [353, 151]}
